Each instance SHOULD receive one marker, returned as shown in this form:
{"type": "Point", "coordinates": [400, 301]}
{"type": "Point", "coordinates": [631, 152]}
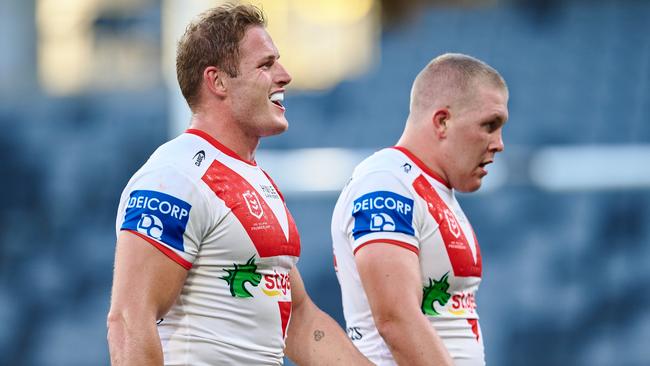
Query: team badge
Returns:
{"type": "Point", "coordinates": [253, 203]}
{"type": "Point", "coordinates": [454, 228]}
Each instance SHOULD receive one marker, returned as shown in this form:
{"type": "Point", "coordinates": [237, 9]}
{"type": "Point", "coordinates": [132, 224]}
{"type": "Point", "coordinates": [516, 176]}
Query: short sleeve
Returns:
{"type": "Point", "coordinates": [167, 209]}
{"type": "Point", "coordinates": [379, 208]}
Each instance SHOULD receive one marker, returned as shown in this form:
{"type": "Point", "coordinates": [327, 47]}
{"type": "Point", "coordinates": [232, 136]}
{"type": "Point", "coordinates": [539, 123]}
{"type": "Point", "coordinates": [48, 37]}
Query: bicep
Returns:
{"type": "Point", "coordinates": [145, 281]}
{"type": "Point", "coordinates": [390, 275]}
{"type": "Point", "coordinates": [298, 293]}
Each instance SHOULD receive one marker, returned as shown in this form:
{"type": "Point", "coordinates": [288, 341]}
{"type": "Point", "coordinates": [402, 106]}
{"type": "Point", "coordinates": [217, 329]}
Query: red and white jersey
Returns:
{"type": "Point", "coordinates": [394, 198]}
{"type": "Point", "coordinates": [223, 220]}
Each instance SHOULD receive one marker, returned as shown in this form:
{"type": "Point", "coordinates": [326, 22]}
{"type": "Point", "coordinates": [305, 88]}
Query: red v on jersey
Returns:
{"type": "Point", "coordinates": [253, 212]}
{"type": "Point", "coordinates": [458, 250]}
{"type": "Point", "coordinates": [285, 315]}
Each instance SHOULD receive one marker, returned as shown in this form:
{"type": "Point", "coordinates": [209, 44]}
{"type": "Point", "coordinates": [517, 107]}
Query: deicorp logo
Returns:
{"type": "Point", "coordinates": [150, 225]}
{"type": "Point", "coordinates": [158, 216]}
{"type": "Point", "coordinates": [382, 211]}
{"type": "Point", "coordinates": [381, 222]}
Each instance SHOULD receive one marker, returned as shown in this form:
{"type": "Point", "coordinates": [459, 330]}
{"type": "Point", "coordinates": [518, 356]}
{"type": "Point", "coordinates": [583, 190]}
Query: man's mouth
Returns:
{"type": "Point", "coordinates": [485, 163]}
{"type": "Point", "coordinates": [277, 98]}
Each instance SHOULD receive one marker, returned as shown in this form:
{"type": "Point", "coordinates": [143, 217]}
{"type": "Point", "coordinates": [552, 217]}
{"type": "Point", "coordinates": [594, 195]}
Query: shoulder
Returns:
{"type": "Point", "coordinates": [380, 182]}
{"type": "Point", "coordinates": [386, 169]}
{"type": "Point", "coordinates": [172, 173]}
{"type": "Point", "coordinates": [186, 154]}
{"type": "Point", "coordinates": [386, 160]}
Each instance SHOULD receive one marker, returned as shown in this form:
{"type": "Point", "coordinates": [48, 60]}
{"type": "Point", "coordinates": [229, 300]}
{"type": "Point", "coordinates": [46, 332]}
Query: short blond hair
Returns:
{"type": "Point", "coordinates": [451, 76]}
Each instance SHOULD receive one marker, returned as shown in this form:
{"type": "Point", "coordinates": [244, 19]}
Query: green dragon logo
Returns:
{"type": "Point", "coordinates": [435, 292]}
{"type": "Point", "coordinates": [238, 276]}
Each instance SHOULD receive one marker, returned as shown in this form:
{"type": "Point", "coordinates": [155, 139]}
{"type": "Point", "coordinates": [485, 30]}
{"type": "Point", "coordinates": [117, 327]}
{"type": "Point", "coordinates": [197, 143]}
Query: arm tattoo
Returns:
{"type": "Point", "coordinates": [318, 335]}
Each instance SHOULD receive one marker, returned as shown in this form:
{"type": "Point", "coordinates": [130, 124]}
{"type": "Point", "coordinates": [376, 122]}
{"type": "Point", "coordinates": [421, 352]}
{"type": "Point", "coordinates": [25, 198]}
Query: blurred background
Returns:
{"type": "Point", "coordinates": [87, 92]}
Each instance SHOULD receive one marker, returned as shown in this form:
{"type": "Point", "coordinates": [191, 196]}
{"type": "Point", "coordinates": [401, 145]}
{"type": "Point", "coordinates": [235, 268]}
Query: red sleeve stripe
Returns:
{"type": "Point", "coordinates": [166, 251]}
{"type": "Point", "coordinates": [402, 244]}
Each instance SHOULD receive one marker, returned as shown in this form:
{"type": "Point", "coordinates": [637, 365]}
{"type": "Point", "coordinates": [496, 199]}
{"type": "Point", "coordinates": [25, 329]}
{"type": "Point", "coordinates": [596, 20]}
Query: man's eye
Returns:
{"type": "Point", "coordinates": [491, 126]}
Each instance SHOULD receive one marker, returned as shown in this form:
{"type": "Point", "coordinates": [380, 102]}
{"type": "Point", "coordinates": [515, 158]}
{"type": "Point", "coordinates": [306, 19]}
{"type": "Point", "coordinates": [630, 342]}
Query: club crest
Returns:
{"type": "Point", "coordinates": [253, 203]}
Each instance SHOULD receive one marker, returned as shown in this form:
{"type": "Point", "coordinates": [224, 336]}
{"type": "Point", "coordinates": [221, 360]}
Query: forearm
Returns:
{"type": "Point", "coordinates": [133, 344]}
{"type": "Point", "coordinates": [414, 342]}
{"type": "Point", "coordinates": [319, 340]}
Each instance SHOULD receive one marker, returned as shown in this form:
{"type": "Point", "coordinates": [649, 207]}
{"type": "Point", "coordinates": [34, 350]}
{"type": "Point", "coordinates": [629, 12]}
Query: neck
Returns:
{"type": "Point", "coordinates": [228, 133]}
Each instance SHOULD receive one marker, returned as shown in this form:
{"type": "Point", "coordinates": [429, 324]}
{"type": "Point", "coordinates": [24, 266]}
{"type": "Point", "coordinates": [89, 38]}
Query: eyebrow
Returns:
{"type": "Point", "coordinates": [499, 117]}
{"type": "Point", "coordinates": [494, 118]}
{"type": "Point", "coordinates": [269, 58]}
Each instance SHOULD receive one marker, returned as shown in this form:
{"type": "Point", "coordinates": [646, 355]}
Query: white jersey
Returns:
{"type": "Point", "coordinates": [223, 220]}
{"type": "Point", "coordinates": [394, 198]}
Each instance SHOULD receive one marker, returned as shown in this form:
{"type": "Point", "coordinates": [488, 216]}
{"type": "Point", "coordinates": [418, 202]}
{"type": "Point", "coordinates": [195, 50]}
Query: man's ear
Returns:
{"type": "Point", "coordinates": [440, 119]}
{"type": "Point", "coordinates": [213, 78]}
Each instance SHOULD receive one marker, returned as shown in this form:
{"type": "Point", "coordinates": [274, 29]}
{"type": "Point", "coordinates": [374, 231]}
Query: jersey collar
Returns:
{"type": "Point", "coordinates": [421, 165]}
{"type": "Point", "coordinates": [221, 147]}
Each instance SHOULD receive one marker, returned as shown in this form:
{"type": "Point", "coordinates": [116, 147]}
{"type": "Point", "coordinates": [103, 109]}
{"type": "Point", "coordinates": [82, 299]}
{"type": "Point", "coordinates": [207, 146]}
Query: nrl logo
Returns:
{"type": "Point", "coordinates": [238, 276]}
{"type": "Point", "coordinates": [435, 292]}
{"type": "Point", "coordinates": [253, 203]}
{"type": "Point", "coordinates": [453, 224]}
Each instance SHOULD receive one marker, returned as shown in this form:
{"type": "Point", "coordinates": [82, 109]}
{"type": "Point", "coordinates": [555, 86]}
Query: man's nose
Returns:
{"type": "Point", "coordinates": [497, 145]}
{"type": "Point", "coordinates": [282, 77]}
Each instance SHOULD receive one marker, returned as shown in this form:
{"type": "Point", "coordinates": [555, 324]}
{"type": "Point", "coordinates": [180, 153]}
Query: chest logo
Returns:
{"type": "Point", "coordinates": [436, 291]}
{"type": "Point", "coordinates": [253, 203]}
{"type": "Point", "coordinates": [240, 275]}
{"type": "Point", "coordinates": [269, 191]}
{"type": "Point", "coordinates": [454, 228]}
{"type": "Point", "coordinates": [277, 284]}
{"type": "Point", "coordinates": [255, 216]}
{"type": "Point", "coordinates": [464, 262]}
